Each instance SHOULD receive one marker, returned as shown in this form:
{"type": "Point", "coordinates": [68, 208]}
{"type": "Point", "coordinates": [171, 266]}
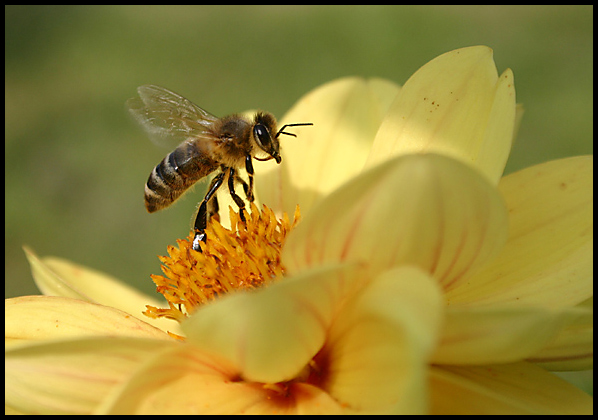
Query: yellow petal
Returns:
{"type": "Point", "coordinates": [500, 130]}
{"type": "Point", "coordinates": [377, 348]}
{"type": "Point", "coordinates": [271, 334]}
{"type": "Point", "coordinates": [188, 381]}
{"type": "Point", "coordinates": [455, 105]}
{"type": "Point", "coordinates": [573, 348]}
{"type": "Point", "coordinates": [10, 411]}
{"type": "Point", "coordinates": [346, 114]}
{"type": "Point", "coordinates": [58, 277]}
{"type": "Point", "coordinates": [519, 388]}
{"type": "Point", "coordinates": [497, 335]}
{"type": "Point", "coordinates": [378, 345]}
{"type": "Point", "coordinates": [548, 258]}
{"type": "Point", "coordinates": [52, 318]}
{"type": "Point", "coordinates": [425, 210]}
{"type": "Point", "coordinates": [72, 376]}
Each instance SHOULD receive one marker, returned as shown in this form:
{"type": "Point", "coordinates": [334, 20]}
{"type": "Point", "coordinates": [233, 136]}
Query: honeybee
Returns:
{"type": "Point", "coordinates": [208, 144]}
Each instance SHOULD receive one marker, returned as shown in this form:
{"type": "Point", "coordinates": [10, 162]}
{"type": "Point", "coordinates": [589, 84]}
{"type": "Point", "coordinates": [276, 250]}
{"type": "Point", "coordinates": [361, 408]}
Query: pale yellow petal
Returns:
{"type": "Point", "coordinates": [573, 348]}
{"type": "Point", "coordinates": [500, 129]}
{"type": "Point", "coordinates": [395, 321]}
{"type": "Point", "coordinates": [548, 258]}
{"type": "Point", "coordinates": [376, 352]}
{"type": "Point", "coordinates": [519, 388]}
{"type": "Point", "coordinates": [271, 334]}
{"type": "Point", "coordinates": [425, 210]}
{"type": "Point", "coordinates": [519, 112]}
{"type": "Point", "coordinates": [10, 411]}
{"type": "Point", "coordinates": [72, 376]}
{"type": "Point", "coordinates": [346, 114]}
{"type": "Point", "coordinates": [189, 381]}
{"type": "Point", "coordinates": [30, 318]}
{"type": "Point", "coordinates": [455, 105]}
{"type": "Point", "coordinates": [58, 277]}
{"type": "Point", "coordinates": [498, 335]}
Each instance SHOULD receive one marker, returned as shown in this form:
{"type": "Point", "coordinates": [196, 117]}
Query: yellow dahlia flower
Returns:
{"type": "Point", "coordinates": [417, 281]}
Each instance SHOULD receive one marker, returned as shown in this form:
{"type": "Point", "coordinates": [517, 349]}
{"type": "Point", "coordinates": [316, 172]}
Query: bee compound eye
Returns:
{"type": "Point", "coordinates": [262, 136]}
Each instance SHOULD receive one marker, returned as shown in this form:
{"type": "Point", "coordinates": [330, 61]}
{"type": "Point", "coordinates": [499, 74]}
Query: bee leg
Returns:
{"type": "Point", "coordinates": [213, 208]}
{"type": "Point", "coordinates": [245, 188]}
{"type": "Point", "coordinates": [231, 188]}
{"type": "Point", "coordinates": [201, 220]}
{"type": "Point", "coordinates": [249, 190]}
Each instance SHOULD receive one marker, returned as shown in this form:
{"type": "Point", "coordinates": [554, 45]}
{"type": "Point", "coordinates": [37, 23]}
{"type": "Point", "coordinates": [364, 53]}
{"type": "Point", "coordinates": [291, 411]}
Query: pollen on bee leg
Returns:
{"type": "Point", "coordinates": [244, 257]}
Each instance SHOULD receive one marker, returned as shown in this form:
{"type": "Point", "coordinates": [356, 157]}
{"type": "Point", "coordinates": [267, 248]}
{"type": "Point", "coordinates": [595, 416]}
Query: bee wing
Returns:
{"type": "Point", "coordinates": [165, 114]}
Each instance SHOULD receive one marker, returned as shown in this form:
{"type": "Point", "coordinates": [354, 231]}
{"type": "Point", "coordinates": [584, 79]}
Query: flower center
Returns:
{"type": "Point", "coordinates": [245, 257]}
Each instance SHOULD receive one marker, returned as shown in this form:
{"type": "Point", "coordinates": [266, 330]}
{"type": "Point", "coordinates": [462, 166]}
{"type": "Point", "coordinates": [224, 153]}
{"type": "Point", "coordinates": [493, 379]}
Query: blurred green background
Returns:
{"type": "Point", "coordinates": [76, 163]}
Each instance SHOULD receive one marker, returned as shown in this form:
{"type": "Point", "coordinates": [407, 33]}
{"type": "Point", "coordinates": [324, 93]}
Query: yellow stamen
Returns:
{"type": "Point", "coordinates": [243, 258]}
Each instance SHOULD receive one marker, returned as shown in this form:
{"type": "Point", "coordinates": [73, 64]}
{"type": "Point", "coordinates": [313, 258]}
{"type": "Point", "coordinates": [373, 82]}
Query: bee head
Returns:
{"type": "Point", "coordinates": [263, 127]}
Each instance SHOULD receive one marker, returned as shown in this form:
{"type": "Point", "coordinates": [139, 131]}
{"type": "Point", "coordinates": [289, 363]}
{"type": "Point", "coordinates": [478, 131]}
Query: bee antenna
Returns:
{"type": "Point", "coordinates": [281, 131]}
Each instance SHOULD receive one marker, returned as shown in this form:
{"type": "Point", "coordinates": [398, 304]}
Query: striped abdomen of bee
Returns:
{"type": "Point", "coordinates": [177, 172]}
